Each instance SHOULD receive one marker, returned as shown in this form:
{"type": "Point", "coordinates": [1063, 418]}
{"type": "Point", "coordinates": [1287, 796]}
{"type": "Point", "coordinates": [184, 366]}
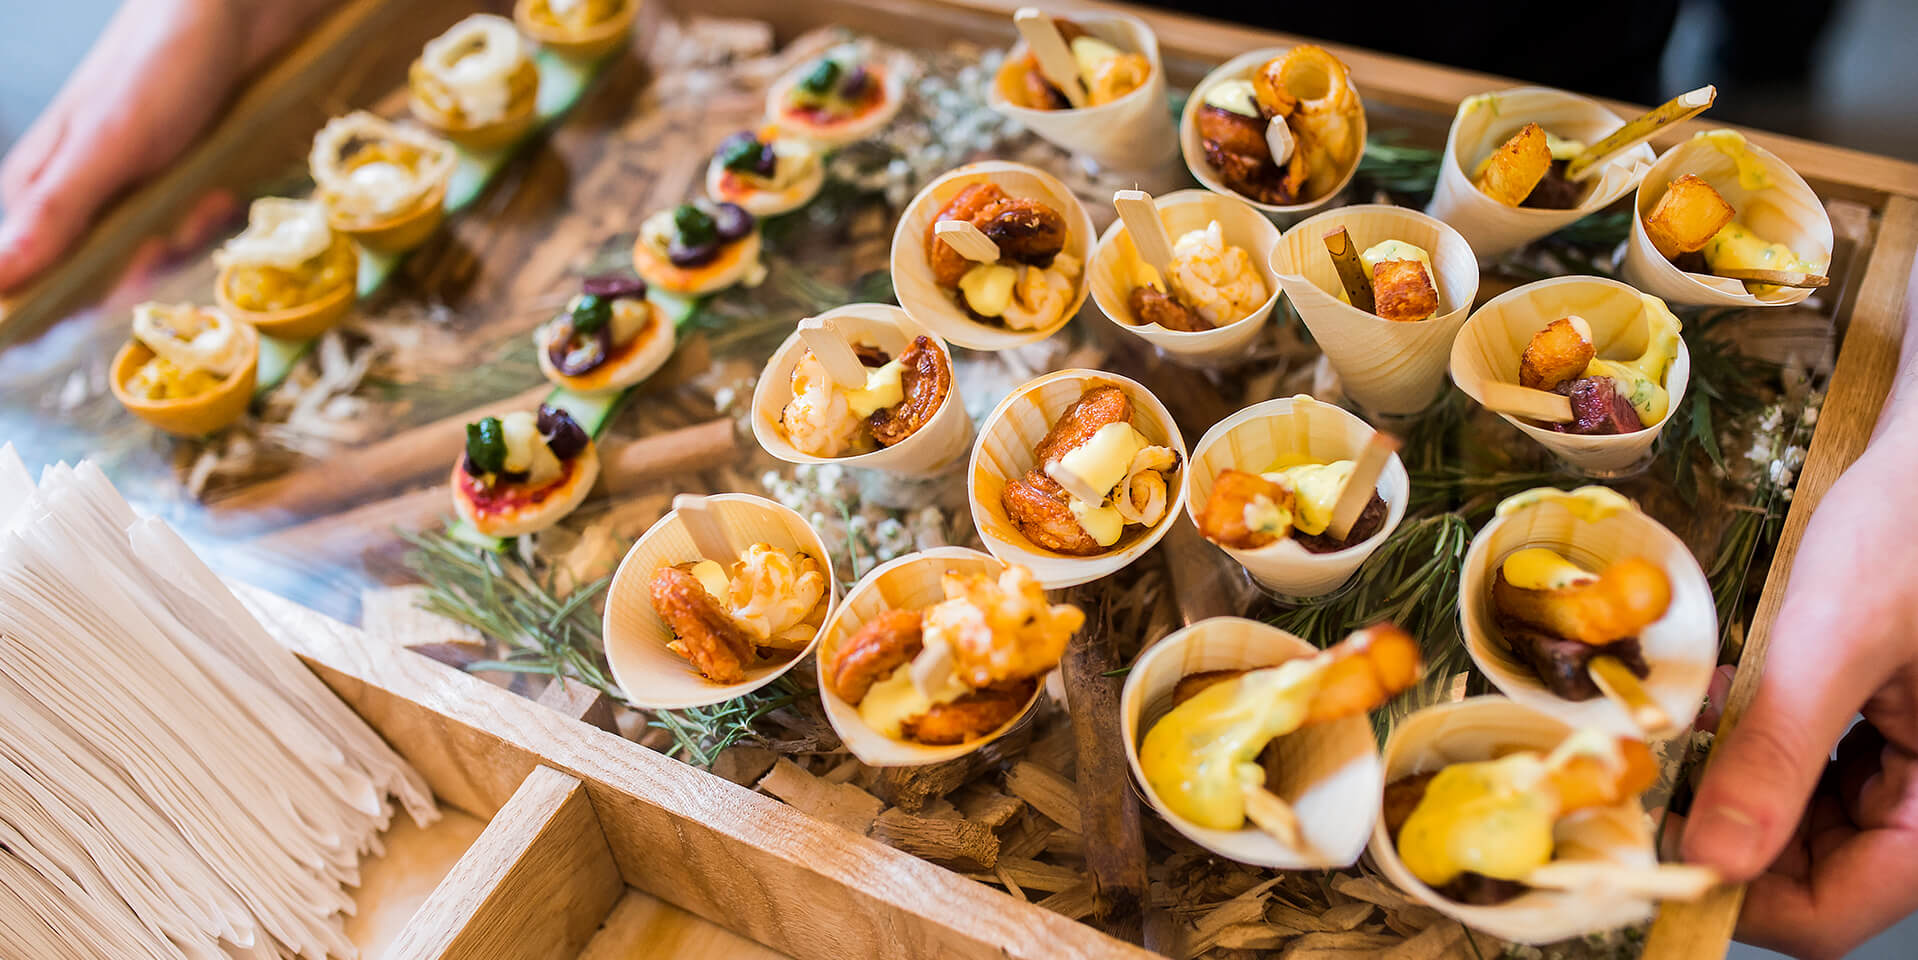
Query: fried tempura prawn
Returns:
{"type": "Point", "coordinates": [948, 265]}
{"type": "Point", "coordinates": [1222, 520]}
{"type": "Point", "coordinates": [925, 380]}
{"type": "Point", "coordinates": [971, 716]}
{"type": "Point", "coordinates": [1626, 598]}
{"type": "Point", "coordinates": [703, 632]}
{"type": "Point", "coordinates": [880, 645]}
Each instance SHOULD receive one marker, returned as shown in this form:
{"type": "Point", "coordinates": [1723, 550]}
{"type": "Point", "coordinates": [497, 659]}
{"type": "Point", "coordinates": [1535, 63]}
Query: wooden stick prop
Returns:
{"type": "Point", "coordinates": [703, 526]}
{"type": "Point", "coordinates": [1779, 278]}
{"type": "Point", "coordinates": [1618, 685]}
{"type": "Point", "coordinates": [966, 238]}
{"type": "Point", "coordinates": [833, 352]}
{"type": "Point", "coordinates": [1049, 48]}
{"type": "Point", "coordinates": [1516, 401]}
{"type": "Point", "coordinates": [1273, 815]}
{"type": "Point", "coordinates": [1664, 881]}
{"type": "Point", "coordinates": [1345, 259]}
{"type": "Point", "coordinates": [1109, 809]}
{"type": "Point", "coordinates": [1640, 129]}
{"type": "Point", "coordinates": [1147, 229]}
{"type": "Point", "coordinates": [1360, 486]}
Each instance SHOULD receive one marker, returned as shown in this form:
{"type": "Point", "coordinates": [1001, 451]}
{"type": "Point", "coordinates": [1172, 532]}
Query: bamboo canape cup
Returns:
{"type": "Point", "coordinates": [1681, 647]}
{"type": "Point", "coordinates": [1489, 346]}
{"type": "Point", "coordinates": [1133, 132]}
{"type": "Point", "coordinates": [1488, 120]}
{"type": "Point", "coordinates": [1004, 453]}
{"type": "Point", "coordinates": [932, 449]}
{"type": "Point", "coordinates": [1786, 211]}
{"type": "Point", "coordinates": [937, 308]}
{"type": "Point", "coordinates": [1482, 728]}
{"type": "Point", "coordinates": [1111, 274]}
{"type": "Point", "coordinates": [302, 322]}
{"type": "Point", "coordinates": [520, 117]}
{"type": "Point", "coordinates": [1286, 428]}
{"type": "Point", "coordinates": [1192, 146]}
{"type": "Point", "coordinates": [585, 45]}
{"type": "Point", "coordinates": [897, 69]}
{"type": "Point", "coordinates": [914, 581]}
{"type": "Point", "coordinates": [193, 416]}
{"type": "Point", "coordinates": [1385, 366]}
{"type": "Point", "coordinates": [1332, 777]}
{"type": "Point", "coordinates": [398, 232]}
{"type": "Point", "coordinates": [654, 677]}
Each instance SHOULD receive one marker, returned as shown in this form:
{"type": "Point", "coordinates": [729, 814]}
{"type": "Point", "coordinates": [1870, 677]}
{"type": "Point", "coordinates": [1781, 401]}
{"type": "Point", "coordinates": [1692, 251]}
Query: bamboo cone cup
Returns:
{"type": "Point", "coordinates": [1482, 728]}
{"type": "Point", "coordinates": [1489, 347]}
{"type": "Point", "coordinates": [1112, 275]}
{"type": "Point", "coordinates": [1332, 777]}
{"type": "Point", "coordinates": [1681, 648]}
{"type": "Point", "coordinates": [192, 416]}
{"type": "Point", "coordinates": [914, 581]}
{"type": "Point", "coordinates": [1488, 120]}
{"type": "Point", "coordinates": [580, 45]}
{"type": "Point", "coordinates": [1192, 146]}
{"type": "Point", "coordinates": [655, 678]}
{"type": "Point", "coordinates": [1133, 132]}
{"type": "Point", "coordinates": [929, 450]}
{"type": "Point", "coordinates": [1386, 366]}
{"type": "Point", "coordinates": [1004, 454]}
{"type": "Point", "coordinates": [936, 308]}
{"type": "Point", "coordinates": [1290, 428]}
{"type": "Point", "coordinates": [897, 68]}
{"type": "Point", "coordinates": [1786, 212]}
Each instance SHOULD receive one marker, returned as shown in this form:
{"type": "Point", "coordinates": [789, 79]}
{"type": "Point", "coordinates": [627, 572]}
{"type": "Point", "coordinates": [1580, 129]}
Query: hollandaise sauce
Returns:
{"type": "Point", "coordinates": [896, 699]}
{"type": "Point", "coordinates": [1488, 818]}
{"type": "Point", "coordinates": [1316, 487]}
{"type": "Point", "coordinates": [1199, 758]}
{"type": "Point", "coordinates": [1641, 380]}
{"type": "Point", "coordinates": [1089, 472]}
{"type": "Point", "coordinates": [1541, 568]}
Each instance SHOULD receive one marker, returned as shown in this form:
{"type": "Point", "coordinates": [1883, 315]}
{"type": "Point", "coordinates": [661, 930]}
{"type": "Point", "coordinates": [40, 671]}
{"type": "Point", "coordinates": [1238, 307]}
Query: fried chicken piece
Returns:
{"type": "Point", "coordinates": [925, 379]}
{"type": "Point", "coordinates": [1094, 409]}
{"type": "Point", "coordinates": [1037, 507]}
{"type": "Point", "coordinates": [1369, 667]}
{"type": "Point", "coordinates": [1151, 305]}
{"type": "Point", "coordinates": [947, 264]}
{"type": "Point", "coordinates": [880, 645]}
{"type": "Point", "coordinates": [1235, 147]}
{"type": "Point", "coordinates": [1402, 291]}
{"type": "Point", "coordinates": [1026, 230]}
{"type": "Point", "coordinates": [703, 631]}
{"type": "Point", "coordinates": [1558, 353]}
{"type": "Point", "coordinates": [1039, 93]}
{"type": "Point", "coordinates": [971, 716]}
{"type": "Point", "coordinates": [1222, 521]}
{"type": "Point", "coordinates": [1234, 133]}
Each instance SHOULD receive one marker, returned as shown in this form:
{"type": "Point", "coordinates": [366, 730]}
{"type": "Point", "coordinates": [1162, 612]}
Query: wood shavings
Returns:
{"type": "Point", "coordinates": [836, 803]}
{"type": "Point", "coordinates": [1047, 792]}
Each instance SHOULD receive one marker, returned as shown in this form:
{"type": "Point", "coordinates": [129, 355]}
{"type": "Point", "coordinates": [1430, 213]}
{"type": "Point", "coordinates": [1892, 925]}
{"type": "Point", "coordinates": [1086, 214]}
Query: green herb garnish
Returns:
{"type": "Point", "coordinates": [695, 226]}
{"type": "Point", "coordinates": [740, 154]}
{"type": "Point", "coordinates": [820, 80]}
{"type": "Point", "coordinates": [486, 445]}
{"type": "Point", "coordinates": [590, 314]}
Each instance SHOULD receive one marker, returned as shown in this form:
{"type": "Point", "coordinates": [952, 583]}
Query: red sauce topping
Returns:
{"type": "Point", "coordinates": [505, 497]}
{"type": "Point", "coordinates": [825, 116]}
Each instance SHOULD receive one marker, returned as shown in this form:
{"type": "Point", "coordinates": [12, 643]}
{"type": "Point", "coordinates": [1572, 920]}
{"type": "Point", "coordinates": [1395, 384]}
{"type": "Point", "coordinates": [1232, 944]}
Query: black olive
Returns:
{"type": "Point", "coordinates": [563, 434]}
{"type": "Point", "coordinates": [613, 286]}
{"type": "Point", "coordinates": [472, 469]}
{"type": "Point", "coordinates": [854, 86]}
{"type": "Point", "coordinates": [767, 162]}
{"type": "Point", "coordinates": [575, 354]}
{"type": "Point", "coordinates": [685, 256]}
{"type": "Point", "coordinates": [732, 222]}
{"type": "Point", "coordinates": [513, 476]}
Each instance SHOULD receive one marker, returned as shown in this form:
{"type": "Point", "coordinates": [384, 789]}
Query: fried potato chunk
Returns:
{"type": "Point", "coordinates": [969, 717]}
{"type": "Point", "coordinates": [1686, 218]}
{"type": "Point", "coordinates": [880, 645]}
{"type": "Point", "coordinates": [1627, 597]}
{"type": "Point", "coordinates": [1583, 781]}
{"type": "Point", "coordinates": [1558, 353]}
{"type": "Point", "coordinates": [926, 379]}
{"type": "Point", "coordinates": [1402, 291]}
{"type": "Point", "coordinates": [1222, 521]}
{"type": "Point", "coordinates": [1516, 166]}
{"type": "Point", "coordinates": [948, 265]}
{"type": "Point", "coordinates": [703, 632]}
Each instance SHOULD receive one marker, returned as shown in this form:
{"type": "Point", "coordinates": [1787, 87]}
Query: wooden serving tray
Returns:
{"type": "Point", "coordinates": [576, 816]}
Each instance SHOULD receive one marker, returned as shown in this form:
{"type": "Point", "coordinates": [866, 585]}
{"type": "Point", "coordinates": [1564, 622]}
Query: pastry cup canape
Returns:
{"type": "Point", "coordinates": [725, 186]}
{"type": "Point", "coordinates": [590, 43]}
{"type": "Point", "coordinates": [1114, 273]}
{"type": "Point", "coordinates": [1192, 145]}
{"type": "Point", "coordinates": [1294, 430]}
{"type": "Point", "coordinates": [301, 322]}
{"type": "Point", "coordinates": [651, 675]}
{"type": "Point", "coordinates": [449, 119]}
{"type": "Point", "coordinates": [1386, 366]}
{"type": "Point", "coordinates": [1486, 121]}
{"type": "Point", "coordinates": [932, 449]}
{"type": "Point", "coordinates": [362, 212]}
{"type": "Point", "coordinates": [520, 515]}
{"type": "Point", "coordinates": [914, 581]}
{"type": "Point", "coordinates": [213, 409]}
{"type": "Point", "coordinates": [398, 232]}
{"type": "Point", "coordinates": [1133, 132]}
{"type": "Point", "coordinates": [893, 71]}
{"type": "Point", "coordinates": [1484, 728]}
{"type": "Point", "coordinates": [737, 260]}
{"type": "Point", "coordinates": [938, 308]}
{"type": "Point", "coordinates": [1331, 776]}
{"type": "Point", "coordinates": [623, 364]}
{"type": "Point", "coordinates": [1593, 528]}
{"type": "Point", "coordinates": [1782, 210]}
{"type": "Point", "coordinates": [1491, 343]}
{"type": "Point", "coordinates": [1004, 453]}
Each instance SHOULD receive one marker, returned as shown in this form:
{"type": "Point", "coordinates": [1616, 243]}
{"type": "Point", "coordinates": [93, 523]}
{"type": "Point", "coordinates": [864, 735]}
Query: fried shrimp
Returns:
{"type": "Point", "coordinates": [1235, 495]}
{"type": "Point", "coordinates": [1026, 230]}
{"type": "Point", "coordinates": [1001, 629]}
{"type": "Point", "coordinates": [971, 716]}
{"type": "Point", "coordinates": [880, 645]}
{"type": "Point", "coordinates": [703, 632]}
{"type": "Point", "coordinates": [948, 265]}
{"type": "Point", "coordinates": [926, 378]}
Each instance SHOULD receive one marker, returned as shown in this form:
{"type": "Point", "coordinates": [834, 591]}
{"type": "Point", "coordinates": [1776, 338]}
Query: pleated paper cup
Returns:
{"type": "Point", "coordinates": [1004, 453]}
{"type": "Point", "coordinates": [1786, 212]}
{"type": "Point", "coordinates": [937, 308]}
{"type": "Point", "coordinates": [1133, 132]}
{"type": "Point", "coordinates": [914, 581]}
{"type": "Point", "coordinates": [1332, 777]}
{"type": "Point", "coordinates": [1293, 429]}
{"type": "Point", "coordinates": [654, 677]}
{"type": "Point", "coordinates": [1681, 647]}
{"type": "Point", "coordinates": [1385, 366]}
{"type": "Point", "coordinates": [931, 449]}
{"type": "Point", "coordinates": [1192, 146]}
{"type": "Point", "coordinates": [1485, 122]}
{"type": "Point", "coordinates": [1492, 342]}
{"type": "Point", "coordinates": [1112, 275]}
{"type": "Point", "coordinates": [1484, 728]}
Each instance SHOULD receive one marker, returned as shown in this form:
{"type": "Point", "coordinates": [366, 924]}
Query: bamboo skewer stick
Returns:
{"type": "Point", "coordinates": [1049, 48]}
{"type": "Point", "coordinates": [1619, 686]}
{"type": "Point", "coordinates": [703, 526]}
{"type": "Point", "coordinates": [1639, 129]}
{"type": "Point", "coordinates": [1514, 400]}
{"type": "Point", "coordinates": [966, 238]}
{"type": "Point", "coordinates": [1345, 259]}
{"type": "Point", "coordinates": [1147, 229]}
{"type": "Point", "coordinates": [1779, 278]}
{"type": "Point", "coordinates": [1664, 881]}
{"type": "Point", "coordinates": [1273, 815]}
{"type": "Point", "coordinates": [833, 352]}
{"type": "Point", "coordinates": [1360, 487]}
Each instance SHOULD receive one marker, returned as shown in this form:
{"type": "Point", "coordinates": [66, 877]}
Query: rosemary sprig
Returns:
{"type": "Point", "coordinates": [701, 734]}
{"type": "Point", "coordinates": [1395, 167]}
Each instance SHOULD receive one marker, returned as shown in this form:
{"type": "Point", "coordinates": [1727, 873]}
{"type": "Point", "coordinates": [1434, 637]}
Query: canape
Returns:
{"type": "Point", "coordinates": [288, 274]}
{"type": "Point", "coordinates": [577, 29]}
{"type": "Point", "coordinates": [846, 94]}
{"type": "Point", "coordinates": [1282, 128]}
{"type": "Point", "coordinates": [186, 370]}
{"type": "Point", "coordinates": [1123, 123]}
{"type": "Point", "coordinates": [475, 83]}
{"type": "Point", "coordinates": [764, 172]}
{"type": "Point", "coordinates": [935, 654]}
{"type": "Point", "coordinates": [383, 184]}
{"type": "Point", "coordinates": [1222, 289]}
{"type": "Point", "coordinates": [696, 249]}
{"type": "Point", "coordinates": [523, 472]}
{"type": "Point", "coordinates": [1256, 746]}
{"type": "Point", "coordinates": [1718, 208]}
{"type": "Point", "coordinates": [608, 338]}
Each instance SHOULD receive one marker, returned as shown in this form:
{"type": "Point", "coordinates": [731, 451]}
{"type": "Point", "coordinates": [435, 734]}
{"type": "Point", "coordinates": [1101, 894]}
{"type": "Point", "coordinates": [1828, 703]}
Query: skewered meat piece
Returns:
{"type": "Point", "coordinates": [971, 716]}
{"type": "Point", "coordinates": [925, 379]}
{"type": "Point", "coordinates": [880, 646]}
{"type": "Point", "coordinates": [703, 631]}
{"type": "Point", "coordinates": [948, 265]}
{"type": "Point", "coordinates": [1037, 507]}
{"type": "Point", "coordinates": [1151, 305]}
{"type": "Point", "coordinates": [1026, 230]}
{"type": "Point", "coordinates": [1235, 146]}
{"type": "Point", "coordinates": [1597, 408]}
{"type": "Point", "coordinates": [1625, 598]}
{"type": "Point", "coordinates": [1555, 192]}
{"type": "Point", "coordinates": [1095, 408]}
{"type": "Point", "coordinates": [1562, 664]}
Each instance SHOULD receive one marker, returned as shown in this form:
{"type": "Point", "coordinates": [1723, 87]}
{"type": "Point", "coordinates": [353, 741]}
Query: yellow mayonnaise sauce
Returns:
{"type": "Point", "coordinates": [1541, 568]}
{"type": "Point", "coordinates": [1752, 174]}
{"type": "Point", "coordinates": [1200, 756]}
{"type": "Point", "coordinates": [898, 698]}
{"type": "Point", "coordinates": [987, 288]}
{"type": "Point", "coordinates": [712, 576]}
{"type": "Point", "coordinates": [1316, 488]}
{"type": "Point", "coordinates": [1642, 379]}
{"type": "Point", "coordinates": [883, 389]}
{"type": "Point", "coordinates": [1736, 247]}
{"type": "Point", "coordinates": [1233, 96]}
{"type": "Point", "coordinates": [1563, 148]}
{"type": "Point", "coordinates": [1096, 466]}
{"type": "Point", "coordinates": [1590, 503]}
{"type": "Point", "coordinates": [1486, 817]}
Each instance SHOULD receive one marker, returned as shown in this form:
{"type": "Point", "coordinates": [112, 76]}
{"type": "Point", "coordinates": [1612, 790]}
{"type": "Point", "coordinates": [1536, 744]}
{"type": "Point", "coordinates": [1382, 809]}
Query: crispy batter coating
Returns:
{"type": "Point", "coordinates": [969, 717]}
{"type": "Point", "coordinates": [1037, 507]}
{"type": "Point", "coordinates": [1689, 214]}
{"type": "Point", "coordinates": [947, 264]}
{"type": "Point", "coordinates": [1222, 521]}
{"type": "Point", "coordinates": [1627, 597]}
{"type": "Point", "coordinates": [1026, 230]}
{"type": "Point", "coordinates": [1369, 667]}
{"type": "Point", "coordinates": [1516, 166]}
{"type": "Point", "coordinates": [1151, 305]}
{"type": "Point", "coordinates": [1095, 408]}
{"type": "Point", "coordinates": [703, 631]}
{"type": "Point", "coordinates": [926, 378]}
{"type": "Point", "coordinates": [1402, 291]}
{"type": "Point", "coordinates": [1558, 353]}
{"type": "Point", "coordinates": [1001, 629]}
{"type": "Point", "coordinates": [880, 645]}
{"type": "Point", "coordinates": [1306, 77]}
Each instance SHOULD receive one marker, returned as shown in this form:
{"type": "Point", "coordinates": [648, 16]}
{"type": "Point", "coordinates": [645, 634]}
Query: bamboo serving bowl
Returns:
{"type": "Point", "coordinates": [193, 416]}
{"type": "Point", "coordinates": [1192, 146]}
{"type": "Point", "coordinates": [585, 45]}
{"type": "Point", "coordinates": [302, 322]}
{"type": "Point", "coordinates": [1133, 132]}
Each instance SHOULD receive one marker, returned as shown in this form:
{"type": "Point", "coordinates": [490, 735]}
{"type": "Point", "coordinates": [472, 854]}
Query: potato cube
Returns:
{"type": "Point", "coordinates": [1558, 353]}
{"type": "Point", "coordinates": [1686, 217]}
{"type": "Point", "coordinates": [1517, 166]}
{"type": "Point", "coordinates": [1402, 291]}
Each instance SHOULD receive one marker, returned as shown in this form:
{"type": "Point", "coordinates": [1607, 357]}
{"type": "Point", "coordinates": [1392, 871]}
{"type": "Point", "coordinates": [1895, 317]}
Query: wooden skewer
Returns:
{"type": "Point", "coordinates": [1345, 259]}
{"type": "Point", "coordinates": [703, 526]}
{"type": "Point", "coordinates": [1664, 881]}
{"type": "Point", "coordinates": [1516, 401]}
{"type": "Point", "coordinates": [931, 668]}
{"type": "Point", "coordinates": [1639, 129]}
{"type": "Point", "coordinates": [1618, 685]}
{"type": "Point", "coordinates": [1147, 229]}
{"type": "Point", "coordinates": [1360, 486]}
{"type": "Point", "coordinates": [1273, 815]}
{"type": "Point", "coordinates": [966, 238]}
{"type": "Point", "coordinates": [834, 353]}
{"type": "Point", "coordinates": [1780, 278]}
{"type": "Point", "coordinates": [1049, 48]}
